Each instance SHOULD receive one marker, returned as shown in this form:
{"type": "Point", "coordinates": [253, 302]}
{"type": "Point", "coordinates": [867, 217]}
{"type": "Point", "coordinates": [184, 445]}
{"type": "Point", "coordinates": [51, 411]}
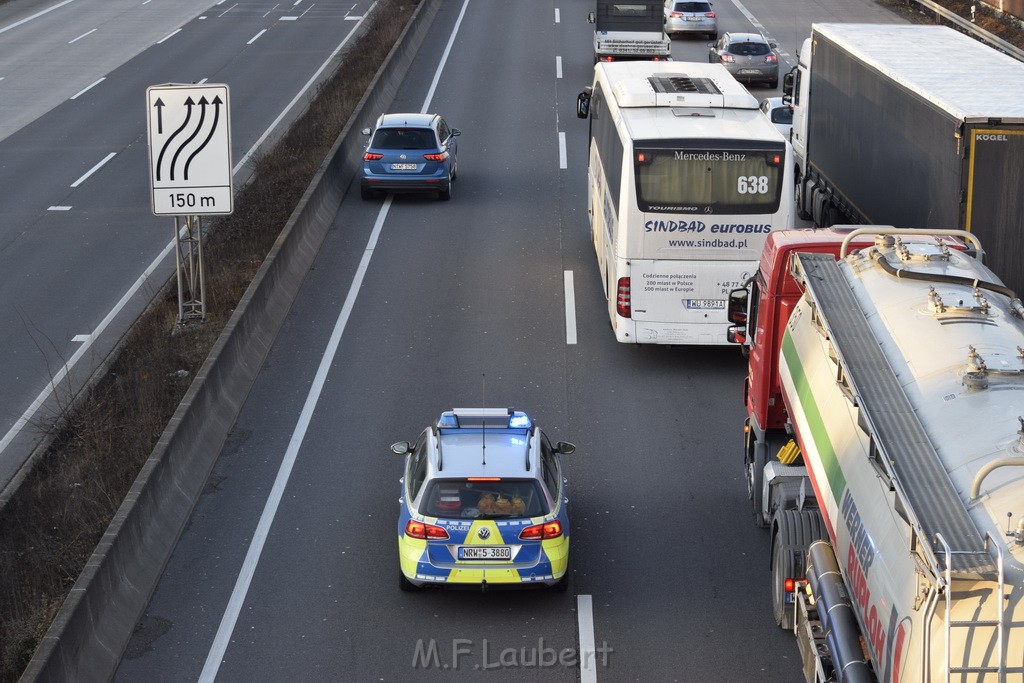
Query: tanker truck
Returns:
{"type": "Point", "coordinates": [884, 451]}
{"type": "Point", "coordinates": [914, 126]}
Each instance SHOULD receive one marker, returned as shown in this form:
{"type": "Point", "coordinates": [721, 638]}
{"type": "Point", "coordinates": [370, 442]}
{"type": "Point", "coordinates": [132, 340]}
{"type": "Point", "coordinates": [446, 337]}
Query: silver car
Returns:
{"type": "Point", "coordinates": [749, 57]}
{"type": "Point", "coordinates": [686, 16]}
{"type": "Point", "coordinates": [779, 113]}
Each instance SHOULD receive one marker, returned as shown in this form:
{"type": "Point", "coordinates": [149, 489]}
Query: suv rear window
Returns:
{"type": "Point", "coordinates": [692, 7]}
{"type": "Point", "coordinates": [403, 138]}
{"type": "Point", "coordinates": [463, 499]}
{"type": "Point", "coordinates": [749, 49]}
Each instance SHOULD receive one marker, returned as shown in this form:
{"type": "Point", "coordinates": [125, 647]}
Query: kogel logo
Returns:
{"type": "Point", "coordinates": [987, 136]}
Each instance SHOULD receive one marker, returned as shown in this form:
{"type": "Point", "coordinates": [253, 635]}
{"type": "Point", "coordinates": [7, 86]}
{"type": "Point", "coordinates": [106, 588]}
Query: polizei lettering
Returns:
{"type": "Point", "coordinates": [710, 156]}
{"type": "Point", "coordinates": [700, 226]}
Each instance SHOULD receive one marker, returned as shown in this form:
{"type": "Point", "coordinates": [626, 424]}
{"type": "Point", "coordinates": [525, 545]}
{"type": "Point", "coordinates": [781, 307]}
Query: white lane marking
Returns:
{"type": "Point", "coordinates": [570, 307]}
{"type": "Point", "coordinates": [297, 2]}
{"type": "Point", "coordinates": [169, 35]}
{"type": "Point", "coordinates": [30, 413]}
{"type": "Point", "coordinates": [558, 66]}
{"type": "Point", "coordinates": [562, 163]}
{"type": "Point", "coordinates": [228, 9]}
{"type": "Point", "coordinates": [87, 88]}
{"type": "Point", "coordinates": [271, 10]}
{"type": "Point", "coordinates": [256, 37]}
{"type": "Point", "coordinates": [82, 36]}
{"type": "Point", "coordinates": [16, 24]}
{"type": "Point", "coordinates": [444, 59]}
{"type": "Point", "coordinates": [287, 18]}
{"type": "Point", "coordinates": [201, 81]}
{"type": "Point", "coordinates": [588, 653]}
{"type": "Point", "coordinates": [81, 338]}
{"type": "Point", "coordinates": [558, 16]}
{"type": "Point", "coordinates": [312, 79]}
{"type": "Point", "coordinates": [94, 169]}
{"type": "Point", "coordinates": [227, 624]}
{"type": "Point", "coordinates": [359, 18]}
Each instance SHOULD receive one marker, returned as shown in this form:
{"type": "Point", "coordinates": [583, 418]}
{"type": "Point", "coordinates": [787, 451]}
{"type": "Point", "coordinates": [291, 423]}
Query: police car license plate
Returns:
{"type": "Point", "coordinates": [485, 552]}
{"type": "Point", "coordinates": [706, 304]}
{"type": "Point", "coordinates": [403, 167]}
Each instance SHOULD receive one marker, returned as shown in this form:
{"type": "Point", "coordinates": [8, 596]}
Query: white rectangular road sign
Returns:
{"type": "Point", "coordinates": [189, 130]}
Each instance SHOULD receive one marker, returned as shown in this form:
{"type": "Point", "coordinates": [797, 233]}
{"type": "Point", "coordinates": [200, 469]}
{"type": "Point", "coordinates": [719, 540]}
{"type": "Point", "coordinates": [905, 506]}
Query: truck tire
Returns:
{"type": "Point", "coordinates": [754, 459]}
{"type": "Point", "coordinates": [801, 210]}
{"type": "Point", "coordinates": [795, 530]}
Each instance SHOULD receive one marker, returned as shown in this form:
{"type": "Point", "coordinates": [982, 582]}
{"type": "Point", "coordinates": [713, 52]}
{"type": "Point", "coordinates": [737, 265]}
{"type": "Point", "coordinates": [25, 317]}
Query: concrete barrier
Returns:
{"type": "Point", "coordinates": [92, 628]}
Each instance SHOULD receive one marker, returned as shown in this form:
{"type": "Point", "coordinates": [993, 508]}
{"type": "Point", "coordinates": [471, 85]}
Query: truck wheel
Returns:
{"type": "Point", "coordinates": [795, 530]}
{"type": "Point", "coordinates": [755, 458]}
{"type": "Point", "coordinates": [800, 210]}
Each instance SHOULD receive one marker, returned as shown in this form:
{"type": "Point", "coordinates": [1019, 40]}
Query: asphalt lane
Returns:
{"type": "Point", "coordinates": [77, 230]}
{"type": "Point", "coordinates": [462, 303]}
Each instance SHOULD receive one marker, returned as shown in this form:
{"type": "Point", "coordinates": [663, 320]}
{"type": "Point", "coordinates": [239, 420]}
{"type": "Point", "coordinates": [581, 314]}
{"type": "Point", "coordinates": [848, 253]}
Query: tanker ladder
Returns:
{"type": "Point", "coordinates": [999, 623]}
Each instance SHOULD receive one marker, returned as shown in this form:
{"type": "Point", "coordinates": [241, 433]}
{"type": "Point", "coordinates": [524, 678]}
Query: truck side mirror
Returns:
{"type": "Point", "coordinates": [737, 311]}
{"type": "Point", "coordinates": [583, 103]}
{"type": "Point", "coordinates": [591, 18]}
{"type": "Point", "coordinates": [737, 334]}
{"type": "Point", "coordinates": [787, 84]}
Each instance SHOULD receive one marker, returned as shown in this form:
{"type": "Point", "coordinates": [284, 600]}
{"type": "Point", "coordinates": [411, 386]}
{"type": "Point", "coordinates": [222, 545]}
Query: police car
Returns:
{"type": "Point", "coordinates": [483, 502]}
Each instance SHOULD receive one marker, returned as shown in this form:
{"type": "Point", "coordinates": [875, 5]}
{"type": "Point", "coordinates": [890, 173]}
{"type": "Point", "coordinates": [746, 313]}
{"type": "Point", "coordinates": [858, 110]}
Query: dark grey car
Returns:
{"type": "Point", "coordinates": [749, 57]}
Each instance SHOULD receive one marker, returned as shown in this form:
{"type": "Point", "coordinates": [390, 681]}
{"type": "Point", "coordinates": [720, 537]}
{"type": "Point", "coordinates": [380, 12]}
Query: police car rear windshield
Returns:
{"type": "Point", "coordinates": [464, 499]}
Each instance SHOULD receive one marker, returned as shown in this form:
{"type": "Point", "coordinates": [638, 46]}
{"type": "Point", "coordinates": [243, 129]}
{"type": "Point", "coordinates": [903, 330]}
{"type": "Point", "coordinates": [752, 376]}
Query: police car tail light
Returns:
{"type": "Point", "coordinates": [372, 156]}
{"type": "Point", "coordinates": [541, 532]}
{"type": "Point", "coordinates": [417, 529]}
{"type": "Point", "coordinates": [622, 298]}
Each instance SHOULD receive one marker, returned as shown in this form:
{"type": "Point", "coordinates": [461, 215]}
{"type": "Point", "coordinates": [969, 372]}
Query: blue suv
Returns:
{"type": "Point", "coordinates": [410, 153]}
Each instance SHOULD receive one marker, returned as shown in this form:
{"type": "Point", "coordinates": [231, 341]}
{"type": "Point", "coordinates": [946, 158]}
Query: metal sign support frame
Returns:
{"type": "Point", "coordinates": [188, 256]}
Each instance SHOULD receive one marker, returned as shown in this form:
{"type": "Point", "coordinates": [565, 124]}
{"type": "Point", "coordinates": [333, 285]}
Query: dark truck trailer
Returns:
{"type": "Point", "coordinates": [912, 126]}
{"type": "Point", "coordinates": [630, 30]}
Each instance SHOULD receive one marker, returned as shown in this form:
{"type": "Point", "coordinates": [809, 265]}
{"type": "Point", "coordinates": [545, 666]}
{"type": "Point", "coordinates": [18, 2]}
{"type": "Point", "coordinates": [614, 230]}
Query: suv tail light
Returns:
{"type": "Point", "coordinates": [541, 532]}
{"type": "Point", "coordinates": [372, 156]}
{"type": "Point", "coordinates": [434, 157]}
{"type": "Point", "coordinates": [417, 529]}
{"type": "Point", "coordinates": [622, 298]}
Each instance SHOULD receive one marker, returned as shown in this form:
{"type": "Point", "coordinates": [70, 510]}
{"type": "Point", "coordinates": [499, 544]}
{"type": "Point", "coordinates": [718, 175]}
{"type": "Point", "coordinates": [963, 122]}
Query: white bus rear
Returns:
{"type": "Point", "coordinates": [687, 178]}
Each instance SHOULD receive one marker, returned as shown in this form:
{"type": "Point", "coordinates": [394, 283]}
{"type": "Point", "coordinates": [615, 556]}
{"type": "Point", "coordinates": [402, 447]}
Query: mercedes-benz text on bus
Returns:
{"type": "Point", "coordinates": [686, 180]}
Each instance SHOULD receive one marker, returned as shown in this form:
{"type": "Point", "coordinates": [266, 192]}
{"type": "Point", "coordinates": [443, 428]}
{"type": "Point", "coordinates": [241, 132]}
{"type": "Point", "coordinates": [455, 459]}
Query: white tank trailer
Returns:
{"type": "Point", "coordinates": [902, 371]}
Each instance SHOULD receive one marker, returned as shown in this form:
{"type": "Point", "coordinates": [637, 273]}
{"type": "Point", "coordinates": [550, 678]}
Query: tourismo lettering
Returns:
{"type": "Point", "coordinates": [674, 226]}
{"type": "Point", "coordinates": [746, 229]}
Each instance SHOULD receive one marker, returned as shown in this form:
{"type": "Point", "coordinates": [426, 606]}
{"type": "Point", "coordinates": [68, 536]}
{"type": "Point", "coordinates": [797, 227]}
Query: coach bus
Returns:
{"type": "Point", "coordinates": [686, 179]}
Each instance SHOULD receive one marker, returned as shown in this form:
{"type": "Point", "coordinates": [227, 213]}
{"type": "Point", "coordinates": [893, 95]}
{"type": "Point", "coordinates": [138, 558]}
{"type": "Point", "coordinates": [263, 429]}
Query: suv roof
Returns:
{"type": "Point", "coordinates": [408, 120]}
{"type": "Point", "coordinates": [467, 438]}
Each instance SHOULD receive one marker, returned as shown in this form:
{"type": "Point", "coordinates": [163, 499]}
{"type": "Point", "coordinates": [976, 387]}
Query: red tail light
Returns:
{"type": "Point", "coordinates": [622, 298]}
{"type": "Point", "coordinates": [372, 156]}
{"type": "Point", "coordinates": [434, 157]}
{"type": "Point", "coordinates": [541, 532]}
{"type": "Point", "coordinates": [771, 59]}
{"type": "Point", "coordinates": [728, 58]}
{"type": "Point", "coordinates": [421, 530]}
{"type": "Point", "coordinates": [709, 15]}
{"type": "Point", "coordinates": [676, 15]}
{"type": "Point", "coordinates": [790, 585]}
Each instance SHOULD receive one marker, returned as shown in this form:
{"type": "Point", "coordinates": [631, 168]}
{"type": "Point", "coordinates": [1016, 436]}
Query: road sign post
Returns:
{"type": "Point", "coordinates": [189, 132]}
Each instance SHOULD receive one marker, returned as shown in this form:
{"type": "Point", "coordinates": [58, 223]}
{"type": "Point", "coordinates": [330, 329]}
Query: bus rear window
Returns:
{"type": "Point", "coordinates": [709, 181]}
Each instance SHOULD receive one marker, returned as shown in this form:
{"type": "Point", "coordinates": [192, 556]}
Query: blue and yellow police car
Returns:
{"type": "Point", "coordinates": [483, 502]}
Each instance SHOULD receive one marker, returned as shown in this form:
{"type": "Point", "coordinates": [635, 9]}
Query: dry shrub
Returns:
{"type": "Point", "coordinates": [52, 524]}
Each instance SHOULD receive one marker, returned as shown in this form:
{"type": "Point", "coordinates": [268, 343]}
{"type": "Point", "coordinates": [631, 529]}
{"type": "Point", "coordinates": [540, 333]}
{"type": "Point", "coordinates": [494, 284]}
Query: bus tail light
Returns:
{"type": "Point", "coordinates": [622, 298]}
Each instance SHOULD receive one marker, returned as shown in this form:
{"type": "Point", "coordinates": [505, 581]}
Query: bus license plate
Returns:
{"type": "Point", "coordinates": [706, 304]}
{"type": "Point", "coordinates": [485, 552]}
{"type": "Point", "coordinates": [403, 167]}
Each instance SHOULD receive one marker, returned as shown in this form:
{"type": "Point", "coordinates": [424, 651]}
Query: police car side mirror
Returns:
{"type": "Point", "coordinates": [401, 447]}
{"type": "Point", "coordinates": [565, 448]}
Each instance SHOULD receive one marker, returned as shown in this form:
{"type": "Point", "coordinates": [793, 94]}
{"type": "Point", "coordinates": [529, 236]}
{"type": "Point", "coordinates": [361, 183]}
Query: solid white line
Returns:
{"type": "Point", "coordinates": [87, 88]}
{"type": "Point", "coordinates": [256, 37]}
{"type": "Point", "coordinates": [252, 557]}
{"type": "Point", "coordinates": [558, 16]}
{"type": "Point", "coordinates": [169, 35]}
{"type": "Point", "coordinates": [444, 59]}
{"type": "Point", "coordinates": [227, 624]}
{"type": "Point", "coordinates": [312, 79]}
{"type": "Point", "coordinates": [558, 66]}
{"type": "Point", "coordinates": [588, 655]}
{"type": "Point", "coordinates": [82, 36]}
{"type": "Point", "coordinates": [570, 307]}
{"type": "Point", "coordinates": [16, 24]}
{"type": "Point", "coordinates": [561, 151]}
{"type": "Point", "coordinates": [52, 208]}
{"type": "Point", "coordinates": [94, 169]}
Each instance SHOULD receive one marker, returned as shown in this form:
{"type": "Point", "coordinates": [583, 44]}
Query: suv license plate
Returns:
{"type": "Point", "coordinates": [706, 304]}
{"type": "Point", "coordinates": [403, 167]}
{"type": "Point", "coordinates": [485, 552]}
